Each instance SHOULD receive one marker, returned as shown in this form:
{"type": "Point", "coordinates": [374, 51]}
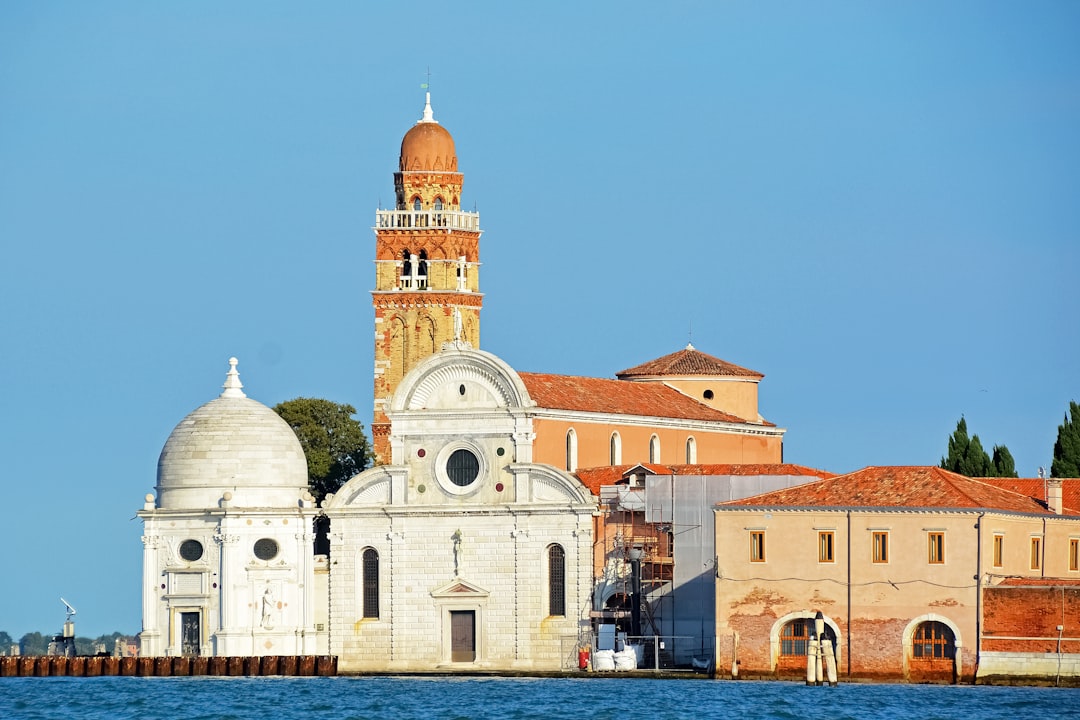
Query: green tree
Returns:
{"type": "Point", "coordinates": [965, 455]}
{"type": "Point", "coordinates": [33, 644]}
{"type": "Point", "coordinates": [334, 442]}
{"type": "Point", "coordinates": [6, 641]}
{"type": "Point", "coordinates": [1003, 463]}
{"type": "Point", "coordinates": [1066, 463]}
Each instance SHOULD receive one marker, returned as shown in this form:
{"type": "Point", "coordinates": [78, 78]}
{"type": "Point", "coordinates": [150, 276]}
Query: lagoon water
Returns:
{"type": "Point", "coordinates": [399, 698]}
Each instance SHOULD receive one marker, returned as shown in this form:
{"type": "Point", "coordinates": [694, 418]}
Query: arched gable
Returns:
{"type": "Point", "coordinates": [551, 485]}
{"type": "Point", "coordinates": [438, 381]}
{"type": "Point", "coordinates": [371, 487]}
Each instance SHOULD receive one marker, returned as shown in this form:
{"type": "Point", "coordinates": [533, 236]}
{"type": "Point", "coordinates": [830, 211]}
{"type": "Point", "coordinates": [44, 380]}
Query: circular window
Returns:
{"type": "Point", "coordinates": [266, 549]}
{"type": "Point", "coordinates": [191, 550]}
{"type": "Point", "coordinates": [708, 394]}
{"type": "Point", "coordinates": [462, 468]}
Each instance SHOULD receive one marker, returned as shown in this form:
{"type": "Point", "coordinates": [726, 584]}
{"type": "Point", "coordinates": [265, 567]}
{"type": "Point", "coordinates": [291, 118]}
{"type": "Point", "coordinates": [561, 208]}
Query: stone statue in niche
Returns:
{"type": "Point", "coordinates": [269, 607]}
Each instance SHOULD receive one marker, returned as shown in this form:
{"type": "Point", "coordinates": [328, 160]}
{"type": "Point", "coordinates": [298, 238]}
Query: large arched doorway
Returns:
{"type": "Point", "coordinates": [931, 653]}
{"type": "Point", "coordinates": [791, 636]}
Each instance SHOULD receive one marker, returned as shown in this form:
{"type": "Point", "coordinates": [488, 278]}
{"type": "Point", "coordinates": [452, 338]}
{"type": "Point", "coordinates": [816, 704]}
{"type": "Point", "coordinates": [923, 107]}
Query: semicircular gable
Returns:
{"type": "Point", "coordinates": [553, 485]}
{"type": "Point", "coordinates": [371, 487]}
{"type": "Point", "coordinates": [489, 382]}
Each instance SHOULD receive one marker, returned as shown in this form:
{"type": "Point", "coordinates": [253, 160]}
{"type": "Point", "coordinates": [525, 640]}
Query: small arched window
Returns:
{"type": "Point", "coordinates": [615, 449]}
{"type": "Point", "coordinates": [370, 590]}
{"type": "Point", "coordinates": [417, 206]}
{"type": "Point", "coordinates": [556, 580]}
{"type": "Point", "coordinates": [438, 204]}
{"type": "Point", "coordinates": [421, 269]}
{"type": "Point", "coordinates": [654, 449]}
{"type": "Point", "coordinates": [571, 450]}
{"type": "Point", "coordinates": [691, 451]}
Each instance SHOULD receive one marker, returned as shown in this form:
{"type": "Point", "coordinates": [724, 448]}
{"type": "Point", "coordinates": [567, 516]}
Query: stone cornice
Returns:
{"type": "Point", "coordinates": [661, 422]}
{"type": "Point", "coordinates": [425, 298]}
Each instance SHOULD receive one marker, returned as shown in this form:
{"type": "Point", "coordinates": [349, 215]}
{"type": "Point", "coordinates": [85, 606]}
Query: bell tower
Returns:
{"type": "Point", "coordinates": [427, 259]}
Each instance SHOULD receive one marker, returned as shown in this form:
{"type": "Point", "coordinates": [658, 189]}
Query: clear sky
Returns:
{"type": "Point", "coordinates": [877, 205]}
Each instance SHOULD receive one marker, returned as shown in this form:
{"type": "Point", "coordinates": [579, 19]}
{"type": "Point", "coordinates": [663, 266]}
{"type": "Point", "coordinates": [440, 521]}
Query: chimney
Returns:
{"type": "Point", "coordinates": [1053, 495]}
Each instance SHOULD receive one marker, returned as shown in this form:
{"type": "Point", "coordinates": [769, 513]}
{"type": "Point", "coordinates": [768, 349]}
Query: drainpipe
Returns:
{"type": "Point", "coordinates": [978, 596]}
{"type": "Point", "coordinates": [848, 593]}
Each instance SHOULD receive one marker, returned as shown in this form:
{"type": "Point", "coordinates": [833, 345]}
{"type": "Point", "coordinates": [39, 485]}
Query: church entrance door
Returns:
{"type": "Point", "coordinates": [190, 634]}
{"type": "Point", "coordinates": [462, 636]}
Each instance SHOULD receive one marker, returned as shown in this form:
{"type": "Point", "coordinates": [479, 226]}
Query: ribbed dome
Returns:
{"type": "Point", "coordinates": [235, 445]}
{"type": "Point", "coordinates": [428, 146]}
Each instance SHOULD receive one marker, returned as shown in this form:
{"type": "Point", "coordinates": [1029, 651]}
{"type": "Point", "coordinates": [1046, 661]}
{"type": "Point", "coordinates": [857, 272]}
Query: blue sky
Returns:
{"type": "Point", "coordinates": [873, 204]}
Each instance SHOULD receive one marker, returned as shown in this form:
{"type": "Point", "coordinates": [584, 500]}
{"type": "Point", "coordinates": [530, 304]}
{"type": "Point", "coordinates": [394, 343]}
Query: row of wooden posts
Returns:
{"type": "Point", "coordinates": [59, 666]}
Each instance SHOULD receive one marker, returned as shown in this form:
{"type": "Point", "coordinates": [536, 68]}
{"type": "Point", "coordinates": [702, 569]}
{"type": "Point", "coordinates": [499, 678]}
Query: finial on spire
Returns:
{"type": "Point", "coordinates": [428, 116]}
{"type": "Point", "coordinates": [232, 381]}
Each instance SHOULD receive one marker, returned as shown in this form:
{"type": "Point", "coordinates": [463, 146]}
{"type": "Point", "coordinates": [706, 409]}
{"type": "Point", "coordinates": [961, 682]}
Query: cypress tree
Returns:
{"type": "Point", "coordinates": [1003, 463]}
{"type": "Point", "coordinates": [1066, 463]}
{"type": "Point", "coordinates": [966, 455]}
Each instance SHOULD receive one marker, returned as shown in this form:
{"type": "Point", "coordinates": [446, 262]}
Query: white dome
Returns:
{"type": "Point", "coordinates": [235, 445]}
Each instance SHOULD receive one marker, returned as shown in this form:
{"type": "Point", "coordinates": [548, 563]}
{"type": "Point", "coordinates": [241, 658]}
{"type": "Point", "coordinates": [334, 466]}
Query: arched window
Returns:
{"type": "Point", "coordinates": [556, 580]}
{"type": "Point", "coordinates": [571, 450]}
{"type": "Point", "coordinates": [406, 268]}
{"type": "Point", "coordinates": [438, 204]}
{"type": "Point", "coordinates": [417, 206]}
{"type": "Point", "coordinates": [933, 641]}
{"type": "Point", "coordinates": [654, 449]}
{"type": "Point", "coordinates": [691, 451]}
{"type": "Point", "coordinates": [371, 583]}
{"type": "Point", "coordinates": [615, 453]}
{"type": "Point", "coordinates": [421, 270]}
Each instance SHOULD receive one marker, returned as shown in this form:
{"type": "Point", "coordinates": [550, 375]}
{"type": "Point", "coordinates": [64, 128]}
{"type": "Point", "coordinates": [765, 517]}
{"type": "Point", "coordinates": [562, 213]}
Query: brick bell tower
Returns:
{"type": "Point", "coordinates": [427, 260]}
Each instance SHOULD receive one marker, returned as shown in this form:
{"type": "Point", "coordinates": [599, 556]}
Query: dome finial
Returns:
{"type": "Point", "coordinates": [232, 381]}
{"type": "Point", "coordinates": [429, 116]}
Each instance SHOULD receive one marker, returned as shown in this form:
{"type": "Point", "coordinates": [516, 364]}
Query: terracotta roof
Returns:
{"type": "Point", "coordinates": [1039, 582]}
{"type": "Point", "coordinates": [1036, 488]}
{"type": "Point", "coordinates": [687, 362]}
{"type": "Point", "coordinates": [595, 478]}
{"type": "Point", "coordinates": [620, 397]}
{"type": "Point", "coordinates": [898, 487]}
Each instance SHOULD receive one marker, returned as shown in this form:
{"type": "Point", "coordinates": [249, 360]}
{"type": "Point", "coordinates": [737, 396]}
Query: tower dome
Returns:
{"type": "Point", "coordinates": [428, 145]}
{"type": "Point", "coordinates": [233, 445]}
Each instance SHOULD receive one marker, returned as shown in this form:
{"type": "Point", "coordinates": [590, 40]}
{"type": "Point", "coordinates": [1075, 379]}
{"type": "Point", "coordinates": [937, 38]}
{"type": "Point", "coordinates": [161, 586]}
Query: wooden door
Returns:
{"type": "Point", "coordinates": [462, 635]}
{"type": "Point", "coordinates": [190, 634]}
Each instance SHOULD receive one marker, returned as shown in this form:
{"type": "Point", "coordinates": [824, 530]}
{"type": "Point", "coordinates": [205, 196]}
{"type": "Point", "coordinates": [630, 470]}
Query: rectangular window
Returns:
{"type": "Point", "coordinates": [881, 546]}
{"type": "Point", "coordinates": [1074, 554]}
{"type": "Point", "coordinates": [999, 550]}
{"type": "Point", "coordinates": [1036, 553]}
{"type": "Point", "coordinates": [825, 546]}
{"type": "Point", "coordinates": [936, 547]}
{"type": "Point", "coordinates": [757, 546]}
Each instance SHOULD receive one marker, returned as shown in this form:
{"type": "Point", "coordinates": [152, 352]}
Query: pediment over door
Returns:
{"type": "Point", "coordinates": [459, 588]}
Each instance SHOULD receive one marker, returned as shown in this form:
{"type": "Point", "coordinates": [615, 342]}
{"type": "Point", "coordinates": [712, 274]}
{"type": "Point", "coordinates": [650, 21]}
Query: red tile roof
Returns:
{"type": "Point", "coordinates": [687, 362]}
{"type": "Point", "coordinates": [897, 487]}
{"type": "Point", "coordinates": [619, 397]}
{"type": "Point", "coordinates": [595, 478]}
{"type": "Point", "coordinates": [1039, 582]}
{"type": "Point", "coordinates": [1036, 488]}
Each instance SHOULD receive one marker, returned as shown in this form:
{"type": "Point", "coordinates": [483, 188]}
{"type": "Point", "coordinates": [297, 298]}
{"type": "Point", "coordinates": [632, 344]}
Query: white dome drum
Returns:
{"type": "Point", "coordinates": [234, 445]}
